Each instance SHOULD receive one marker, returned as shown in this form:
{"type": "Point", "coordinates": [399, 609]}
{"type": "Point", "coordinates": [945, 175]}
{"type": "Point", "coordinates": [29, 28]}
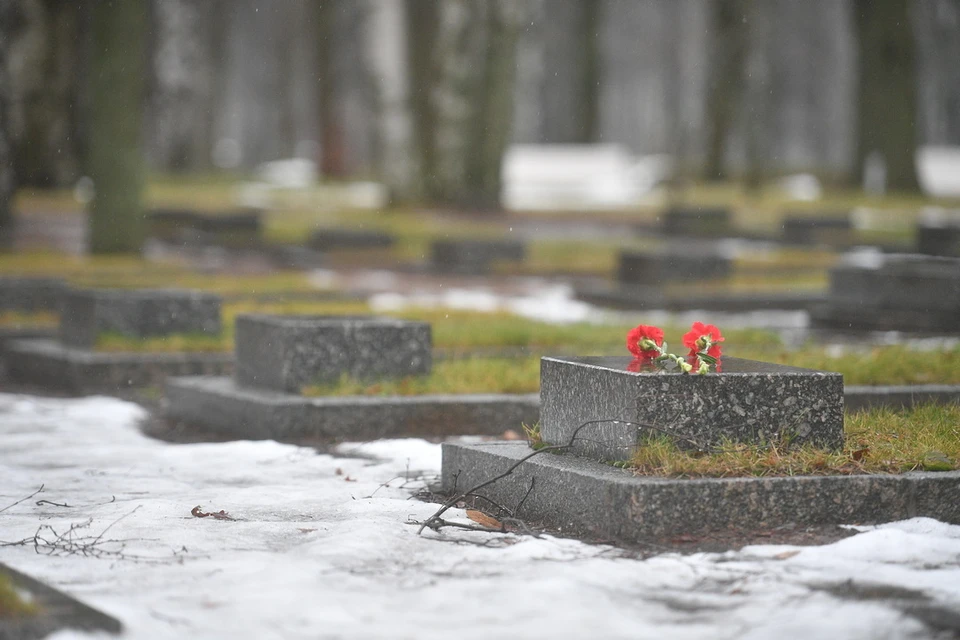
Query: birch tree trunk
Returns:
{"type": "Point", "coordinates": [115, 158]}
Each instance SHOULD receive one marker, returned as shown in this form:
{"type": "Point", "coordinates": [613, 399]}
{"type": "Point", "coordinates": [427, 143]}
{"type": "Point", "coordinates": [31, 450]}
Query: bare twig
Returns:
{"type": "Point", "coordinates": [9, 506]}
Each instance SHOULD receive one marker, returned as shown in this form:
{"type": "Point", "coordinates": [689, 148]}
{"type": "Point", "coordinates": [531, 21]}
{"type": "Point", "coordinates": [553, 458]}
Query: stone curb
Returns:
{"type": "Point", "coordinates": [627, 299]}
{"type": "Point", "coordinates": [220, 405]}
{"type": "Point", "coordinates": [866, 397]}
{"type": "Point", "coordinates": [587, 498]}
{"type": "Point", "coordinates": [59, 611]}
{"type": "Point", "coordinates": [47, 363]}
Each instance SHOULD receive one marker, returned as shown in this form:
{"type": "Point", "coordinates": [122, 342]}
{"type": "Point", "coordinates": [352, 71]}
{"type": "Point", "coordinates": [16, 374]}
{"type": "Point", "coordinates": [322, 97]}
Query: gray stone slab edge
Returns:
{"type": "Point", "coordinates": [49, 364]}
{"type": "Point", "coordinates": [586, 498]}
{"type": "Point", "coordinates": [59, 611]}
{"type": "Point", "coordinates": [866, 397]}
{"type": "Point", "coordinates": [220, 405]}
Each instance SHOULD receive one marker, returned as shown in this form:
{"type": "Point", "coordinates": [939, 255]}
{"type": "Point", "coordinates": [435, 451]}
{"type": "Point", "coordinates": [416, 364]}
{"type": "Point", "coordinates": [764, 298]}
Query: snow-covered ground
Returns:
{"type": "Point", "coordinates": [320, 549]}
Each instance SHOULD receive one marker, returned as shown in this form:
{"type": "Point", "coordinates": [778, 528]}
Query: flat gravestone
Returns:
{"type": "Point", "coordinates": [473, 256]}
{"type": "Point", "coordinates": [939, 239]}
{"type": "Point", "coordinates": [902, 292]}
{"type": "Point", "coordinates": [241, 228]}
{"type": "Point", "coordinates": [697, 221]}
{"type": "Point", "coordinates": [287, 353]}
{"type": "Point", "coordinates": [141, 313]}
{"type": "Point", "coordinates": [656, 268]}
{"type": "Point", "coordinates": [749, 402]}
{"type": "Point", "coordinates": [826, 229]}
{"type": "Point", "coordinates": [349, 239]}
{"type": "Point", "coordinates": [30, 294]}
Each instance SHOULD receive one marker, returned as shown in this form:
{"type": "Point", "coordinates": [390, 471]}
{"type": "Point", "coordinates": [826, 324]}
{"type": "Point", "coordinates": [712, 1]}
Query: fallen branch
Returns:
{"type": "Point", "coordinates": [436, 522]}
{"type": "Point", "coordinates": [10, 506]}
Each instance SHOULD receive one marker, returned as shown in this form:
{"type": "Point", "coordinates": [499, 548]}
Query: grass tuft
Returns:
{"type": "Point", "coordinates": [925, 438]}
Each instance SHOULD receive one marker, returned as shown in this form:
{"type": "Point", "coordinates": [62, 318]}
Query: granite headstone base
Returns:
{"type": "Point", "coordinates": [750, 402]}
{"type": "Point", "coordinates": [30, 295]}
{"type": "Point", "coordinates": [233, 229]}
{"type": "Point", "coordinates": [474, 257]}
{"type": "Point", "coordinates": [286, 353]}
{"type": "Point", "coordinates": [140, 313]}
{"type": "Point", "coordinates": [220, 405]}
{"type": "Point", "coordinates": [835, 230]}
{"type": "Point", "coordinates": [349, 240]}
{"type": "Point", "coordinates": [904, 292]}
{"type": "Point", "coordinates": [56, 611]}
{"type": "Point", "coordinates": [49, 364]}
{"type": "Point", "coordinates": [939, 239]}
{"type": "Point", "coordinates": [657, 268]}
{"type": "Point", "coordinates": [595, 500]}
{"type": "Point", "coordinates": [697, 221]}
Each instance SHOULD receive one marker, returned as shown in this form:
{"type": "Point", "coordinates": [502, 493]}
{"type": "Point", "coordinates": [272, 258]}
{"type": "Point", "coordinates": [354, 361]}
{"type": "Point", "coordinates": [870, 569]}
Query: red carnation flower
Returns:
{"type": "Point", "coordinates": [699, 335]}
{"type": "Point", "coordinates": [642, 333]}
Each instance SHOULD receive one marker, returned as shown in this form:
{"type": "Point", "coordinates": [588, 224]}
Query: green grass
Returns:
{"type": "Point", "coordinates": [877, 441]}
{"type": "Point", "coordinates": [12, 603]}
{"type": "Point", "coordinates": [28, 319]}
{"type": "Point", "coordinates": [470, 375]}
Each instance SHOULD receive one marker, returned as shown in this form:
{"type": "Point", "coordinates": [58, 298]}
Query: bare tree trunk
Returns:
{"type": "Point", "coordinates": [9, 21]}
{"type": "Point", "coordinates": [470, 100]}
{"type": "Point", "coordinates": [115, 160]}
{"type": "Point", "coordinates": [887, 103]}
{"type": "Point", "coordinates": [387, 48]}
{"type": "Point", "coordinates": [423, 24]}
{"type": "Point", "coordinates": [331, 130]}
{"type": "Point", "coordinates": [727, 81]}
{"type": "Point", "coordinates": [757, 94]}
{"type": "Point", "coordinates": [588, 39]}
{"type": "Point", "coordinates": [182, 77]}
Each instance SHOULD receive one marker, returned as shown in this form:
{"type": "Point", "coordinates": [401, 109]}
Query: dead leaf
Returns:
{"type": "Point", "coordinates": [786, 554]}
{"type": "Point", "coordinates": [483, 519]}
{"type": "Point", "coordinates": [304, 530]}
{"type": "Point", "coordinates": [349, 479]}
{"type": "Point", "coordinates": [197, 512]}
{"type": "Point", "coordinates": [338, 472]}
{"type": "Point", "coordinates": [859, 454]}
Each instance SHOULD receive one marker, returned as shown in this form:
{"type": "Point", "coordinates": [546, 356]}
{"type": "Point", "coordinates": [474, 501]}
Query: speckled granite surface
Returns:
{"type": "Point", "coordinates": [748, 402]}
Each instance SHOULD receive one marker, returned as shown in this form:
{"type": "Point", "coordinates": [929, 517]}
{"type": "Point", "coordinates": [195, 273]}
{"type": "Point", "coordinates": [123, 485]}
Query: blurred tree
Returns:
{"type": "Point", "coordinates": [45, 82]}
{"type": "Point", "coordinates": [887, 102]}
{"type": "Point", "coordinates": [115, 159]}
{"type": "Point", "coordinates": [731, 36]}
{"type": "Point", "coordinates": [591, 59]}
{"type": "Point", "coordinates": [10, 18]}
{"type": "Point", "coordinates": [462, 74]}
{"type": "Point", "coordinates": [331, 137]}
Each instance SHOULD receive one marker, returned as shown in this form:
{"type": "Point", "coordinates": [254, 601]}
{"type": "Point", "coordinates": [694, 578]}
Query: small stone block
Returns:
{"type": "Point", "coordinates": [939, 240]}
{"type": "Point", "coordinates": [827, 229]}
{"type": "Point", "coordinates": [30, 294]}
{"type": "Point", "coordinates": [696, 221]}
{"type": "Point", "coordinates": [474, 256]}
{"type": "Point", "coordinates": [142, 313]}
{"type": "Point", "coordinates": [348, 239]}
{"type": "Point", "coordinates": [286, 353]}
{"type": "Point", "coordinates": [641, 269]}
{"type": "Point", "coordinates": [749, 402]}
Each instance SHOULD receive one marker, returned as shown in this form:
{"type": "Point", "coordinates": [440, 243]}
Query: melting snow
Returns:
{"type": "Point", "coordinates": [321, 548]}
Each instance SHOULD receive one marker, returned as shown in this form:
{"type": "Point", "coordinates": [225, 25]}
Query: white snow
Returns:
{"type": "Point", "coordinates": [321, 549]}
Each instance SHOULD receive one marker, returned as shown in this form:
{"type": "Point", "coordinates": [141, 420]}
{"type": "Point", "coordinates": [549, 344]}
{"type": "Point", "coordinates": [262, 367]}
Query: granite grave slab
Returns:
{"type": "Point", "coordinates": [286, 353]}
{"type": "Point", "coordinates": [474, 256]}
{"type": "Point", "coordinates": [834, 229]}
{"type": "Point", "coordinates": [697, 221]}
{"type": "Point", "coordinates": [140, 313]}
{"type": "Point", "coordinates": [749, 401]}
{"type": "Point", "coordinates": [939, 239]}
{"type": "Point", "coordinates": [637, 268]}
{"type": "Point", "coordinates": [587, 498]}
{"type": "Point", "coordinates": [30, 295]}
{"type": "Point", "coordinates": [350, 239]}
{"type": "Point", "coordinates": [899, 292]}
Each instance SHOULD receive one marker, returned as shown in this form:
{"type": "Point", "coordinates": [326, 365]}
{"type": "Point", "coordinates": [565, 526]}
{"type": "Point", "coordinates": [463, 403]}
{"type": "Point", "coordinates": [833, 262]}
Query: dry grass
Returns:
{"type": "Point", "coordinates": [28, 320]}
{"type": "Point", "coordinates": [877, 441]}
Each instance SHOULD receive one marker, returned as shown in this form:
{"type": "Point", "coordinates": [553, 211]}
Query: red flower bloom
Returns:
{"type": "Point", "coordinates": [696, 339]}
{"type": "Point", "coordinates": [643, 332]}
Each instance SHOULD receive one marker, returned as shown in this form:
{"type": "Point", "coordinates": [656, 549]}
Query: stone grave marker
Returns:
{"type": "Point", "coordinates": [749, 402]}
{"type": "Point", "coordinates": [653, 268]}
{"type": "Point", "coordinates": [474, 256]}
{"type": "Point", "coordinates": [893, 292]}
{"type": "Point", "coordinates": [277, 356]}
{"type": "Point", "coordinates": [73, 364]}
{"type": "Point", "coordinates": [349, 239]}
{"type": "Point", "coordinates": [286, 353]}
{"type": "Point", "coordinates": [140, 313]}
{"type": "Point", "coordinates": [30, 295]}
{"type": "Point", "coordinates": [826, 229]}
{"type": "Point", "coordinates": [697, 221]}
{"type": "Point", "coordinates": [938, 234]}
